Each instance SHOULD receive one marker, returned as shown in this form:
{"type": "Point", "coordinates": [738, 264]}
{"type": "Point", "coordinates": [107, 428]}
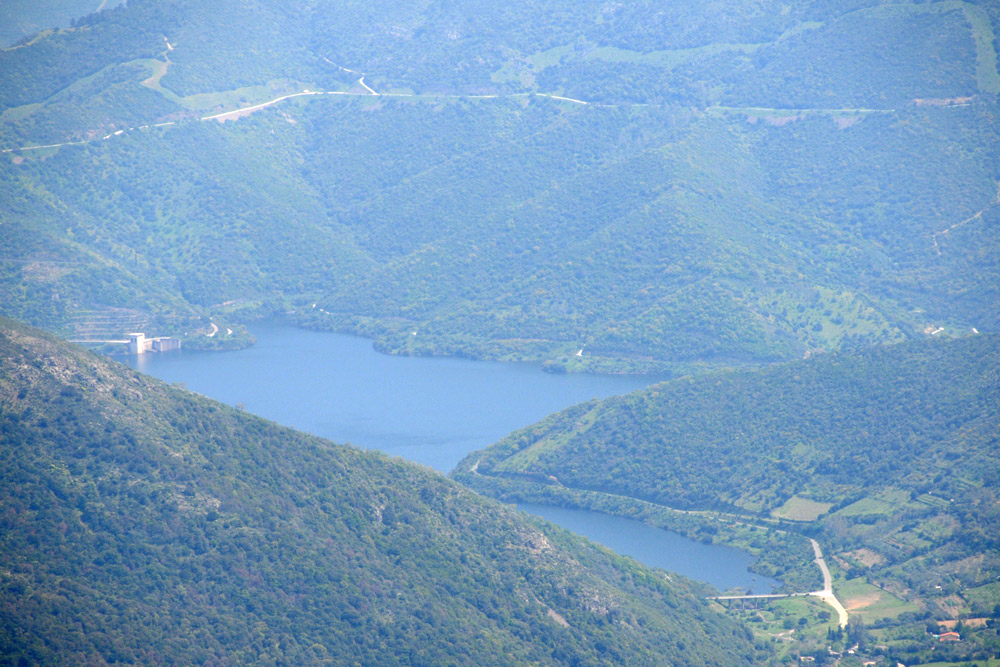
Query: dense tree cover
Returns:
{"type": "Point", "coordinates": [693, 218]}
{"type": "Point", "coordinates": [22, 19]}
{"type": "Point", "coordinates": [898, 444]}
{"type": "Point", "coordinates": [831, 428]}
{"type": "Point", "coordinates": [34, 72]}
{"type": "Point", "coordinates": [851, 54]}
{"type": "Point", "coordinates": [507, 228]}
{"type": "Point", "coordinates": [145, 524]}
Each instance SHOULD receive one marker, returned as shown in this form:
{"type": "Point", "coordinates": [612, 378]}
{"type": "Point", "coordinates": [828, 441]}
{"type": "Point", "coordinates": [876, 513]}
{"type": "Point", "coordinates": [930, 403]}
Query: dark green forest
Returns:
{"type": "Point", "coordinates": [832, 428]}
{"type": "Point", "coordinates": [143, 524]}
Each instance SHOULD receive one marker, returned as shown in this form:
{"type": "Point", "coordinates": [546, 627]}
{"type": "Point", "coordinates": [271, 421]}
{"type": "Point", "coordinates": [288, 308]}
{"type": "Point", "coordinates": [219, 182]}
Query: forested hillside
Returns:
{"type": "Point", "coordinates": [888, 456]}
{"type": "Point", "coordinates": [830, 428]}
{"type": "Point", "coordinates": [741, 186]}
{"type": "Point", "coordinates": [144, 524]}
{"type": "Point", "coordinates": [21, 20]}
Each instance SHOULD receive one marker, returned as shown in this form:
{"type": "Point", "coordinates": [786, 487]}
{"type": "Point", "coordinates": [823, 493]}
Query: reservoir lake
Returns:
{"type": "Point", "coordinates": [432, 411]}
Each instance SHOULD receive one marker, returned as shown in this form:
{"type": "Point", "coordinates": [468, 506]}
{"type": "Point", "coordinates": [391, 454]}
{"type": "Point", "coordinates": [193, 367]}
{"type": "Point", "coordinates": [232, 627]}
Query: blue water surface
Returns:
{"type": "Point", "coordinates": [430, 410]}
{"type": "Point", "coordinates": [721, 566]}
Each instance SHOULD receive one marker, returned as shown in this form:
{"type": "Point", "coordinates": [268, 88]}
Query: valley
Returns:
{"type": "Point", "coordinates": [145, 523]}
{"type": "Point", "coordinates": [716, 284]}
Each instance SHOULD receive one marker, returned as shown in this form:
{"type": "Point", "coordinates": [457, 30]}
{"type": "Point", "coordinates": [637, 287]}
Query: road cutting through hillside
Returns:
{"type": "Point", "coordinates": [235, 114]}
{"type": "Point", "coordinates": [974, 216]}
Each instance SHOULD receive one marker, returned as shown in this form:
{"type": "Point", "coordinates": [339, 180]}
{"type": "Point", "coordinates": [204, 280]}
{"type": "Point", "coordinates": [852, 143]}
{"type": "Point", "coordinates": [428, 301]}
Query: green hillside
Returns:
{"type": "Point", "coordinates": [887, 456]}
{"type": "Point", "coordinates": [21, 20]}
{"type": "Point", "coordinates": [143, 524]}
{"type": "Point", "coordinates": [743, 186]}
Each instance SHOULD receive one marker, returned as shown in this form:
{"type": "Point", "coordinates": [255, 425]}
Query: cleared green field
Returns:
{"type": "Point", "coordinates": [990, 662]}
{"type": "Point", "coordinates": [986, 55]}
{"type": "Point", "coordinates": [987, 595]}
{"type": "Point", "coordinates": [801, 509]}
{"type": "Point", "coordinates": [870, 602]}
{"type": "Point", "coordinates": [782, 620]}
{"type": "Point", "coordinates": [886, 502]}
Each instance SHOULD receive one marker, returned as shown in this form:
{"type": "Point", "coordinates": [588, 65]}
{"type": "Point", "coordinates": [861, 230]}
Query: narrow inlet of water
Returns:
{"type": "Point", "coordinates": [721, 566]}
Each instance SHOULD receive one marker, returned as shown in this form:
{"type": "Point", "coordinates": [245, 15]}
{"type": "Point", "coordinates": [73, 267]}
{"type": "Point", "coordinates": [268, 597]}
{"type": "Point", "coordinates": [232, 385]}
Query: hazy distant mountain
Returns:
{"type": "Point", "coordinates": [748, 180]}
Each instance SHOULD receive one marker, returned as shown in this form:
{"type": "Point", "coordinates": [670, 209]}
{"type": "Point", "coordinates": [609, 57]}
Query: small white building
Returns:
{"type": "Point", "coordinates": [136, 343]}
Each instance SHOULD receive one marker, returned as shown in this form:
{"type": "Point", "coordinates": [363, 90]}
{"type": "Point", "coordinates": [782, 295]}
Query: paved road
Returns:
{"type": "Point", "coordinates": [827, 593]}
{"type": "Point", "coordinates": [226, 115]}
{"type": "Point", "coordinates": [237, 113]}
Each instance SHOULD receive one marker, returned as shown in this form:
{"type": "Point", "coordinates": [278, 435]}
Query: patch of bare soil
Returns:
{"type": "Point", "coordinates": [862, 601]}
{"type": "Point", "coordinates": [845, 122]}
{"type": "Point", "coordinates": [967, 622]}
{"type": "Point", "coordinates": [43, 272]}
{"type": "Point", "coordinates": [557, 617]}
{"type": "Point", "coordinates": [951, 605]}
{"type": "Point", "coordinates": [866, 557]}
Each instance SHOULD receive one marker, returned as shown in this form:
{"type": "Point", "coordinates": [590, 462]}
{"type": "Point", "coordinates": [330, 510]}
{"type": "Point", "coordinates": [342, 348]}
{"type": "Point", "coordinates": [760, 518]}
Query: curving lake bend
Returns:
{"type": "Point", "coordinates": [432, 411]}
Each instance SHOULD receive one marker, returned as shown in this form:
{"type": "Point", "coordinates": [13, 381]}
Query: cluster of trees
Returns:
{"type": "Point", "coordinates": [521, 229]}
{"type": "Point", "coordinates": [835, 428]}
{"type": "Point", "coordinates": [874, 58]}
{"type": "Point", "coordinates": [33, 74]}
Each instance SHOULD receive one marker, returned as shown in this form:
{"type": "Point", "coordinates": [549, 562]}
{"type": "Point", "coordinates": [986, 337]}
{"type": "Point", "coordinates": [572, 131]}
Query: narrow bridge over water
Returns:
{"type": "Point", "coordinates": [758, 597]}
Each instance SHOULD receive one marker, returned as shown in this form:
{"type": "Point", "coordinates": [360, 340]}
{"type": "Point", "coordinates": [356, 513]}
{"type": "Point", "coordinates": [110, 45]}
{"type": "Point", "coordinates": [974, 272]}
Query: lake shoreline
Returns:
{"type": "Point", "coordinates": [433, 411]}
